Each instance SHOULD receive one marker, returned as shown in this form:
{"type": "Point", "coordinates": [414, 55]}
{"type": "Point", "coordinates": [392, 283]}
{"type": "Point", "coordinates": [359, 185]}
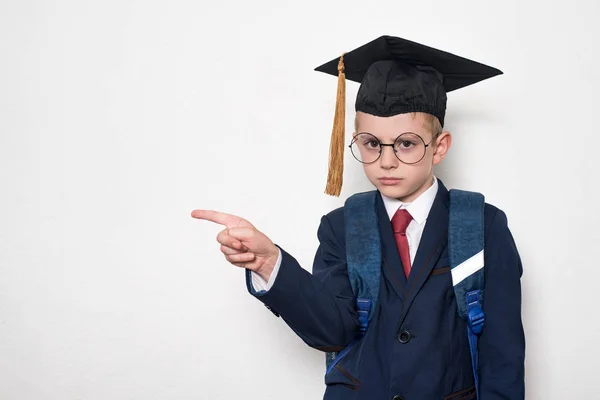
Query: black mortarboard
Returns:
{"type": "Point", "coordinates": [397, 76]}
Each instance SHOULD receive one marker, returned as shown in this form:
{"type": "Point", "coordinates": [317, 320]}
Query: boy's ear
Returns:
{"type": "Point", "coordinates": [443, 143]}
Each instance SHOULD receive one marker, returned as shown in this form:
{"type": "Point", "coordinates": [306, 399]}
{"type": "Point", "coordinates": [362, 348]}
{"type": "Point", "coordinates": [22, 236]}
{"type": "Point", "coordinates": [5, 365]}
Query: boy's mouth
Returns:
{"type": "Point", "coordinates": [388, 180]}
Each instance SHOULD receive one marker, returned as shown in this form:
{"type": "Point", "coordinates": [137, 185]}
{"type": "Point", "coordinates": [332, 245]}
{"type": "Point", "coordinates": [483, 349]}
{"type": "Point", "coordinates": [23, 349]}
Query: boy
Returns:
{"type": "Point", "coordinates": [416, 345]}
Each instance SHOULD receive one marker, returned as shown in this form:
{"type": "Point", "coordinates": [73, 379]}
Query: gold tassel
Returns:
{"type": "Point", "coordinates": [336, 149]}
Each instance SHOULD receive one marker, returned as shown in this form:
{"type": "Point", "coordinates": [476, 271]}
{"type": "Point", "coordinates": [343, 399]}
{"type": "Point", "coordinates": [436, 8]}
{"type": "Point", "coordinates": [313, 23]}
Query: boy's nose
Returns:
{"type": "Point", "coordinates": [388, 159]}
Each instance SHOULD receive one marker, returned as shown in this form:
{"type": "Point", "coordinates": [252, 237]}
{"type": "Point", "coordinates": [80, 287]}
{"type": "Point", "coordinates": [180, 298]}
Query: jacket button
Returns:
{"type": "Point", "coordinates": [273, 311]}
{"type": "Point", "coordinates": [398, 397]}
{"type": "Point", "coordinates": [404, 337]}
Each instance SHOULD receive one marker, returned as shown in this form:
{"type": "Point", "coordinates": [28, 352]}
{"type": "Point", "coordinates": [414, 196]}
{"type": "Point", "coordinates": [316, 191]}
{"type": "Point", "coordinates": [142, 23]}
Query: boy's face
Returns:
{"type": "Point", "coordinates": [406, 181]}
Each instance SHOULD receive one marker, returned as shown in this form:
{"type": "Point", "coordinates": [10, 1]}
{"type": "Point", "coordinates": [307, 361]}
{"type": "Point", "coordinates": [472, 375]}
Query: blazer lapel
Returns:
{"type": "Point", "coordinates": [430, 248]}
{"type": "Point", "coordinates": [391, 264]}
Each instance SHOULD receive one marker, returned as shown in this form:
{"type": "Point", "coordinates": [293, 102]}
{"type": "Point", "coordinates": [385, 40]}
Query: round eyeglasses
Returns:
{"type": "Point", "coordinates": [409, 148]}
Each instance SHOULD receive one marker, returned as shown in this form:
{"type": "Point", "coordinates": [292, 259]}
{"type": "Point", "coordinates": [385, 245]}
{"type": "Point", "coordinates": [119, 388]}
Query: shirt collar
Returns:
{"type": "Point", "coordinates": [418, 209]}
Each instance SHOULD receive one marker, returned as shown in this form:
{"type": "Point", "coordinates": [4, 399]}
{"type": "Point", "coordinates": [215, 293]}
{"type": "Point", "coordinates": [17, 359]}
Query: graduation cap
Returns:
{"type": "Point", "coordinates": [396, 76]}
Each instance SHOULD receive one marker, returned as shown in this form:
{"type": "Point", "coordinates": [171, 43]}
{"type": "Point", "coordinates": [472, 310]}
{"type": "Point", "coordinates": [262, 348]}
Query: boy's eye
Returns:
{"type": "Point", "coordinates": [366, 142]}
{"type": "Point", "coordinates": [408, 141]}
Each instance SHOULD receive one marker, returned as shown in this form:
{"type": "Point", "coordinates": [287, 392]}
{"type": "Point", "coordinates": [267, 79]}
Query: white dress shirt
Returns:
{"type": "Point", "coordinates": [418, 209]}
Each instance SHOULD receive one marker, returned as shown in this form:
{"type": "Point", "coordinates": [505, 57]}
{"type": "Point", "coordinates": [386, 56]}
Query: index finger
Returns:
{"type": "Point", "coordinates": [218, 217]}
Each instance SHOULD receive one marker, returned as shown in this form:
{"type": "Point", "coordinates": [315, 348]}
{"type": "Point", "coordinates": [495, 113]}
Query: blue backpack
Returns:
{"type": "Point", "coordinates": [465, 242]}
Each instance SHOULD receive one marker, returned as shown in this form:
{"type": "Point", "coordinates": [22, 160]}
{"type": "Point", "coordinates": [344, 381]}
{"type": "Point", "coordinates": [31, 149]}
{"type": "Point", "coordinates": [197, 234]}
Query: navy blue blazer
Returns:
{"type": "Point", "coordinates": [416, 347]}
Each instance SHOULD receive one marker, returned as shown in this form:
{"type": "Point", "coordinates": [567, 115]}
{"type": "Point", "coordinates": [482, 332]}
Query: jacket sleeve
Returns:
{"type": "Point", "coordinates": [319, 307]}
{"type": "Point", "coordinates": [502, 342]}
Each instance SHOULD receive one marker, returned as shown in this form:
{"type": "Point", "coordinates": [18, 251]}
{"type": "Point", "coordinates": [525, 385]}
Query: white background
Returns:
{"type": "Point", "coordinates": [118, 118]}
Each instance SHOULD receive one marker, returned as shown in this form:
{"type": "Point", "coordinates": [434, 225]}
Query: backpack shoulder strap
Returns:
{"type": "Point", "coordinates": [466, 244]}
{"type": "Point", "coordinates": [363, 248]}
{"type": "Point", "coordinates": [363, 257]}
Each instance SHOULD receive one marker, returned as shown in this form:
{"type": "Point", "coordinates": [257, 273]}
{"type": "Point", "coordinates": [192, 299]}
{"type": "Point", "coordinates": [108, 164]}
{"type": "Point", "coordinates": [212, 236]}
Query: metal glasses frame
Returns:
{"type": "Point", "coordinates": [392, 146]}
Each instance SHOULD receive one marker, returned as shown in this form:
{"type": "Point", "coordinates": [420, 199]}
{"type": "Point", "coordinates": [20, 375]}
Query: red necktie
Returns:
{"type": "Point", "coordinates": [400, 222]}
